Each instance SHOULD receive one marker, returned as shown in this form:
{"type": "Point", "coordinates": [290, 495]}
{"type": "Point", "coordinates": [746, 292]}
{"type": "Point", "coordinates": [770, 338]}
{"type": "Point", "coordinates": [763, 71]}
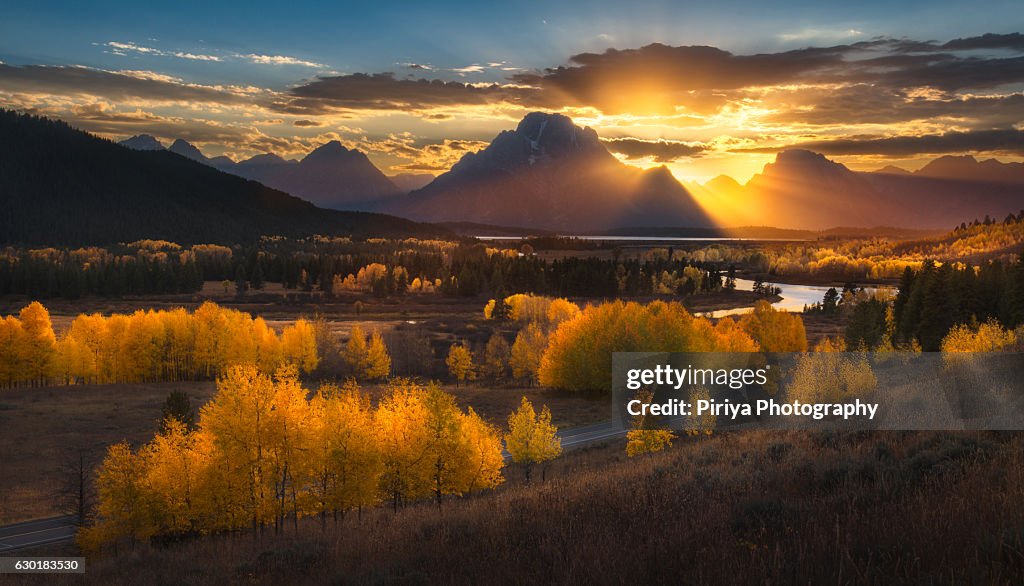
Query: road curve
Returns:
{"type": "Point", "coordinates": [36, 533]}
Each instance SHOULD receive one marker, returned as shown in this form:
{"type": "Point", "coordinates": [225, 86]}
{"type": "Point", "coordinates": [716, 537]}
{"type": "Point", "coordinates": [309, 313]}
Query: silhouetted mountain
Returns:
{"type": "Point", "coordinates": [142, 142]}
{"type": "Point", "coordinates": [550, 173]}
{"type": "Point", "coordinates": [190, 151]}
{"type": "Point", "coordinates": [967, 168]}
{"type": "Point", "coordinates": [805, 190]}
{"type": "Point", "coordinates": [59, 185]}
{"type": "Point", "coordinates": [407, 182]}
{"type": "Point", "coordinates": [892, 170]}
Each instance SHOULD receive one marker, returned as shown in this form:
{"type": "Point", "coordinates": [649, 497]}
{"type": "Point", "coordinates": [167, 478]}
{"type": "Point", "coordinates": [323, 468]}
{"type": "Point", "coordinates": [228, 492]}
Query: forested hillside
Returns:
{"type": "Point", "coordinates": [59, 185]}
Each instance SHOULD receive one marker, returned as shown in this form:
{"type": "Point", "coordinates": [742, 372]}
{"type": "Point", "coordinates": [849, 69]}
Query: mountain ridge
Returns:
{"type": "Point", "coordinates": [103, 193]}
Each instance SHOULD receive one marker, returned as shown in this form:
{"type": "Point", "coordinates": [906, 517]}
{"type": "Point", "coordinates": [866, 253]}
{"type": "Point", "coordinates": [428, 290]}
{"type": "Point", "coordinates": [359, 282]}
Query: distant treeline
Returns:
{"type": "Point", "coordinates": [319, 264]}
{"type": "Point", "coordinates": [935, 299]}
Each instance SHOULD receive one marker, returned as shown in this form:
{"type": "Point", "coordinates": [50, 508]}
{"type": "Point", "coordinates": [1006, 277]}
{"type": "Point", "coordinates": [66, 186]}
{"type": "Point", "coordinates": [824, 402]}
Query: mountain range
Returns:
{"type": "Point", "coordinates": [551, 174]}
{"type": "Point", "coordinates": [806, 190]}
{"type": "Point", "coordinates": [331, 176]}
{"type": "Point", "coordinates": [62, 186]}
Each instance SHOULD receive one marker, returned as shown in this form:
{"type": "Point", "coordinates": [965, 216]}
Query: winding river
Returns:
{"type": "Point", "coordinates": [794, 297]}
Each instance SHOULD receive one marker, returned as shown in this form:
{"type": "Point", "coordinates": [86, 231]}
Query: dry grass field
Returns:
{"type": "Point", "coordinates": [42, 429]}
{"type": "Point", "coordinates": [754, 507]}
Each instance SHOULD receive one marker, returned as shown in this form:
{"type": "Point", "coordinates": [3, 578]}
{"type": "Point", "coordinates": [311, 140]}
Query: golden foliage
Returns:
{"type": "Point", "coordinates": [579, 351]}
{"type": "Point", "coordinates": [531, 438]}
{"type": "Point", "coordinates": [263, 454]}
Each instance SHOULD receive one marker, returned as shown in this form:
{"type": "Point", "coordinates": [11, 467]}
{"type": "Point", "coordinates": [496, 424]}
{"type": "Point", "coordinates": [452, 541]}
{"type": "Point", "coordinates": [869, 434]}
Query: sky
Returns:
{"type": "Point", "coordinates": [706, 88]}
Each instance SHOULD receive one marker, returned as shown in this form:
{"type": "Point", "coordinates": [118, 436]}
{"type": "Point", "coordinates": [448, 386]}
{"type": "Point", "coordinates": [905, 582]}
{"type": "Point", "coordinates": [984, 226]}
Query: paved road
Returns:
{"type": "Point", "coordinates": [581, 436]}
{"type": "Point", "coordinates": [62, 529]}
{"type": "Point", "coordinates": [36, 533]}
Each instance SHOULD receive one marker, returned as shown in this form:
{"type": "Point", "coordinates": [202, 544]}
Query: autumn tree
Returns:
{"type": "Point", "coordinates": [124, 504]}
{"type": "Point", "coordinates": [579, 352]}
{"type": "Point", "coordinates": [482, 458]}
{"type": "Point", "coordinates": [345, 463]}
{"type": "Point", "coordinates": [239, 422]}
{"type": "Point", "coordinates": [298, 346]}
{"type": "Point", "coordinates": [644, 438]}
{"type": "Point", "coordinates": [460, 363]}
{"type": "Point", "coordinates": [378, 361]}
{"type": "Point", "coordinates": [355, 353]}
{"type": "Point", "coordinates": [39, 344]}
{"type": "Point", "coordinates": [496, 358]}
{"type": "Point", "coordinates": [531, 438]}
{"type": "Point", "coordinates": [775, 330]}
{"type": "Point", "coordinates": [404, 441]}
{"type": "Point", "coordinates": [526, 353]}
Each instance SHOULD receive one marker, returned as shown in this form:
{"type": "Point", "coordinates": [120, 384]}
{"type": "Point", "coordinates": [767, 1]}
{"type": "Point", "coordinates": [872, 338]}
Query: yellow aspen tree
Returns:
{"type": "Point", "coordinates": [561, 310]}
{"type": "Point", "coordinates": [644, 438]}
{"type": "Point", "coordinates": [446, 448]}
{"type": "Point", "coordinates": [378, 361]}
{"type": "Point", "coordinates": [268, 346]}
{"type": "Point", "coordinates": [355, 353]}
{"type": "Point", "coordinates": [298, 345]}
{"type": "Point", "coordinates": [460, 363]}
{"type": "Point", "coordinates": [531, 438]}
{"type": "Point", "coordinates": [345, 466]}
{"type": "Point", "coordinates": [496, 358]}
{"type": "Point", "coordinates": [483, 458]}
{"type": "Point", "coordinates": [11, 351]}
{"type": "Point", "coordinates": [775, 330]}
{"type": "Point", "coordinates": [175, 468]}
{"type": "Point", "coordinates": [289, 432]}
{"type": "Point", "coordinates": [180, 343]}
{"type": "Point", "coordinates": [239, 420]}
{"type": "Point", "coordinates": [85, 339]}
{"type": "Point", "coordinates": [209, 325]}
{"type": "Point", "coordinates": [124, 507]}
{"type": "Point", "coordinates": [404, 440]}
{"type": "Point", "coordinates": [39, 342]}
{"type": "Point", "coordinates": [527, 352]}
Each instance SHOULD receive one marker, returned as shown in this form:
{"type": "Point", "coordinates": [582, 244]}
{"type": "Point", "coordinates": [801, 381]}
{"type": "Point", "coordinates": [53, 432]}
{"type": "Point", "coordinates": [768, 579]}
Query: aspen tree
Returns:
{"type": "Point", "coordinates": [531, 438]}
{"type": "Point", "coordinates": [460, 363]}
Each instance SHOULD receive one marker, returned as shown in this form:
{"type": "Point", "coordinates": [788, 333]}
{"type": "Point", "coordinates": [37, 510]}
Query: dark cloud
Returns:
{"type": "Point", "coordinates": [306, 123]}
{"type": "Point", "coordinates": [661, 150]}
{"type": "Point", "coordinates": [868, 104]}
{"type": "Point", "coordinates": [657, 78]}
{"type": "Point", "coordinates": [1009, 140]}
{"type": "Point", "coordinates": [66, 80]}
{"type": "Point", "coordinates": [382, 91]}
{"type": "Point", "coordinates": [987, 41]}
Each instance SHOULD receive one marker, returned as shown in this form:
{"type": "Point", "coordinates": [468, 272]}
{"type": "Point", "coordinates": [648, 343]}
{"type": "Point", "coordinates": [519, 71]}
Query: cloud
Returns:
{"type": "Point", "coordinates": [281, 60]}
{"type": "Point", "coordinates": [123, 48]}
{"type": "Point", "coordinates": [659, 79]}
{"type": "Point", "coordinates": [1008, 140]}
{"type": "Point", "coordinates": [869, 104]}
{"type": "Point", "coordinates": [817, 34]}
{"type": "Point", "coordinates": [306, 123]}
{"type": "Point", "coordinates": [469, 69]}
{"type": "Point", "coordinates": [987, 41]}
{"type": "Point", "coordinates": [72, 81]}
{"type": "Point", "coordinates": [382, 91]}
{"type": "Point", "coordinates": [662, 151]}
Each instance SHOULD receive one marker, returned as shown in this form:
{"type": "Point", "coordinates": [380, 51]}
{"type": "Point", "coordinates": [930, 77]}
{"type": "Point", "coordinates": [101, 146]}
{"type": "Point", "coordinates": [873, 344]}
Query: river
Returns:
{"type": "Point", "coordinates": [794, 297]}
